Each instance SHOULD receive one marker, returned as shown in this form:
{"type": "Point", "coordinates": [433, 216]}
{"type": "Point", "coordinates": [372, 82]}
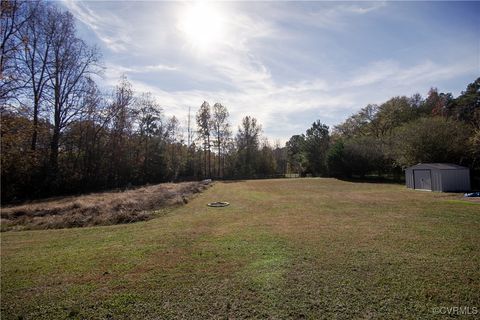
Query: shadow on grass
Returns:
{"type": "Point", "coordinates": [231, 181]}
{"type": "Point", "coordinates": [372, 179]}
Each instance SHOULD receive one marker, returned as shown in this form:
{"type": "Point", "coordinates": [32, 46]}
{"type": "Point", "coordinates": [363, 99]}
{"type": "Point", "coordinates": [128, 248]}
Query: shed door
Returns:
{"type": "Point", "coordinates": [423, 179]}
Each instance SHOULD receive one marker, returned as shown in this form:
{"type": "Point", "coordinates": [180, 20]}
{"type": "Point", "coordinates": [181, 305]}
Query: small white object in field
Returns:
{"type": "Point", "coordinates": [218, 204]}
{"type": "Point", "coordinates": [207, 181]}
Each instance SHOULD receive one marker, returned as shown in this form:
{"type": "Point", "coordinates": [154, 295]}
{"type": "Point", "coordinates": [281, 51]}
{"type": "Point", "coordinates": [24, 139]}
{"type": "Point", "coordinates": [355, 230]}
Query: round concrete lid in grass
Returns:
{"type": "Point", "coordinates": [218, 204]}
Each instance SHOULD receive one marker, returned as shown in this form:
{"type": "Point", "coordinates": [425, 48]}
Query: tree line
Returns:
{"type": "Point", "coordinates": [62, 134]}
{"type": "Point", "coordinates": [384, 139]}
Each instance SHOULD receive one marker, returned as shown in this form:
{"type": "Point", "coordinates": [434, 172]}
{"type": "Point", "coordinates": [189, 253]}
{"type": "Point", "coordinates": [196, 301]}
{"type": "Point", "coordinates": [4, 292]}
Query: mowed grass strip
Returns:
{"type": "Point", "coordinates": [293, 248]}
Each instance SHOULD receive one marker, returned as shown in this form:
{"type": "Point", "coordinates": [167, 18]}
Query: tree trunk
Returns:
{"type": "Point", "coordinates": [35, 125]}
{"type": "Point", "coordinates": [54, 144]}
{"type": "Point", "coordinates": [209, 158]}
{"type": "Point", "coordinates": [219, 155]}
{"type": "Point", "coordinates": [205, 160]}
{"type": "Point", "coordinates": [54, 153]}
{"type": "Point", "coordinates": [223, 164]}
{"type": "Point", "coordinates": [145, 161]}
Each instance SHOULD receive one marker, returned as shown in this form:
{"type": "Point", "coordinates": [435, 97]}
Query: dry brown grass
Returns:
{"type": "Point", "coordinates": [99, 208]}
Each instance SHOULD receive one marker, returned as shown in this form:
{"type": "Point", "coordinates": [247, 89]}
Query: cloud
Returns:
{"type": "Point", "coordinates": [159, 67]}
{"type": "Point", "coordinates": [118, 69]}
{"type": "Point", "coordinates": [390, 72]}
{"type": "Point", "coordinates": [254, 70]}
{"type": "Point", "coordinates": [326, 15]}
{"type": "Point", "coordinates": [363, 8]}
{"type": "Point", "coordinates": [278, 106]}
{"type": "Point", "coordinates": [107, 27]}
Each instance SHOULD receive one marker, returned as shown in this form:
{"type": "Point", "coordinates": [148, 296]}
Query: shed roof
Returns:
{"type": "Point", "coordinates": [438, 166]}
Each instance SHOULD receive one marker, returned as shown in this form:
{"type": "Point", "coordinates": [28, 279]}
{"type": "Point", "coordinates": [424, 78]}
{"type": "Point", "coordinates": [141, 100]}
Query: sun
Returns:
{"type": "Point", "coordinates": [203, 25]}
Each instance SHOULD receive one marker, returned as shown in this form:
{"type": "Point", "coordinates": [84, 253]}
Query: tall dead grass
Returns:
{"type": "Point", "coordinates": [99, 208]}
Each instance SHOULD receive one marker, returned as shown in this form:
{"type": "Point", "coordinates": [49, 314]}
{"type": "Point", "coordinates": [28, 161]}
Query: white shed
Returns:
{"type": "Point", "coordinates": [438, 177]}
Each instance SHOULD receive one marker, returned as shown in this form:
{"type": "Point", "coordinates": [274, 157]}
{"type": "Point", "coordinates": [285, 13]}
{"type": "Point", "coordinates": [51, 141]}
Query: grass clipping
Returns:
{"type": "Point", "coordinates": [99, 208]}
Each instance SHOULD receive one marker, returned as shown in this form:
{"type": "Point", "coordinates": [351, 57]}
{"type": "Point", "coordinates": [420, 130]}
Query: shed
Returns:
{"type": "Point", "coordinates": [438, 177]}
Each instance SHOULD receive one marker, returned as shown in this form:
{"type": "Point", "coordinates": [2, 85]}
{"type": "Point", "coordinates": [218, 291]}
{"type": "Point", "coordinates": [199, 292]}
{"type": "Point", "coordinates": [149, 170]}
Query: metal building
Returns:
{"type": "Point", "coordinates": [438, 177]}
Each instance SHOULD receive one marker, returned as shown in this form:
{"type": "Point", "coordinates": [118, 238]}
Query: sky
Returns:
{"type": "Point", "coordinates": [285, 63]}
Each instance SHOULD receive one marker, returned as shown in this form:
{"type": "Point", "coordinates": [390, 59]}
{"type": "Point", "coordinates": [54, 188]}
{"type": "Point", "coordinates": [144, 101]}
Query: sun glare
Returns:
{"type": "Point", "coordinates": [203, 25]}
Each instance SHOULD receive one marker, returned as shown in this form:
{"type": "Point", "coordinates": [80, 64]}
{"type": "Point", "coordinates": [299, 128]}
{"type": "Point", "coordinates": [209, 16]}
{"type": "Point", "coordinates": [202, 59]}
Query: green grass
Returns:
{"type": "Point", "coordinates": [293, 248]}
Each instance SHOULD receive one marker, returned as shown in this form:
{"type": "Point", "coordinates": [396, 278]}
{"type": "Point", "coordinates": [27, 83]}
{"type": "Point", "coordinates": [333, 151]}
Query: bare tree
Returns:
{"type": "Point", "coordinates": [221, 129]}
{"type": "Point", "coordinates": [94, 125]}
{"type": "Point", "coordinates": [190, 161]}
{"type": "Point", "coordinates": [70, 64]}
{"type": "Point", "coordinates": [13, 16]}
{"type": "Point", "coordinates": [190, 131]}
{"type": "Point", "coordinates": [35, 57]}
{"type": "Point", "coordinates": [149, 116]}
{"type": "Point", "coordinates": [204, 128]}
{"type": "Point", "coordinates": [174, 146]}
{"type": "Point", "coordinates": [120, 127]}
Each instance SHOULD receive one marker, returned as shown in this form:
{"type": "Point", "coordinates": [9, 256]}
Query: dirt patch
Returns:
{"type": "Point", "coordinates": [99, 208]}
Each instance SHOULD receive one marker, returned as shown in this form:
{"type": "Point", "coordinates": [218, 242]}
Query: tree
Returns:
{"type": "Point", "coordinates": [393, 114]}
{"type": "Point", "coordinates": [280, 158]}
{"type": "Point", "coordinates": [267, 165]}
{"type": "Point", "coordinates": [37, 42]}
{"type": "Point", "coordinates": [94, 134]}
{"type": "Point", "coordinates": [466, 107]}
{"type": "Point", "coordinates": [190, 146]}
{"type": "Point", "coordinates": [174, 137]}
{"type": "Point", "coordinates": [247, 141]}
{"type": "Point", "coordinates": [433, 139]}
{"type": "Point", "coordinates": [120, 130]}
{"type": "Point", "coordinates": [13, 16]}
{"type": "Point", "coordinates": [221, 129]}
{"type": "Point", "coordinates": [336, 160]}
{"type": "Point", "coordinates": [474, 143]}
{"type": "Point", "coordinates": [317, 141]}
{"type": "Point", "coordinates": [150, 129]}
{"type": "Point", "coordinates": [436, 104]}
{"type": "Point", "coordinates": [354, 126]}
{"type": "Point", "coordinates": [362, 155]}
{"type": "Point", "coordinates": [71, 62]}
{"type": "Point", "coordinates": [380, 120]}
{"type": "Point", "coordinates": [416, 101]}
{"type": "Point", "coordinates": [20, 175]}
{"type": "Point", "coordinates": [296, 154]}
{"type": "Point", "coordinates": [204, 129]}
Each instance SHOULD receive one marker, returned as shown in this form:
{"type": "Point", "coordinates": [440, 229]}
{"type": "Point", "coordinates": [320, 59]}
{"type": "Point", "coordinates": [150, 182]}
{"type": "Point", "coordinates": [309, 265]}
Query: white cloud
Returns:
{"type": "Point", "coordinates": [118, 70]}
{"type": "Point", "coordinates": [160, 67]}
{"type": "Point", "coordinates": [389, 72]}
{"type": "Point", "coordinates": [328, 15]}
{"type": "Point", "coordinates": [363, 8]}
{"type": "Point", "coordinates": [331, 101]}
{"type": "Point", "coordinates": [247, 84]}
{"type": "Point", "coordinates": [107, 27]}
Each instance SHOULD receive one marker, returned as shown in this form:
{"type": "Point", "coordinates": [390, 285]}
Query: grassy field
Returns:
{"type": "Point", "coordinates": [293, 248]}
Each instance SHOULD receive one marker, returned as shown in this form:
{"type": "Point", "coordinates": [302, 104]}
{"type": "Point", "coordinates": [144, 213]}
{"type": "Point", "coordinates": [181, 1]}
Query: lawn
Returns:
{"type": "Point", "coordinates": [292, 248]}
